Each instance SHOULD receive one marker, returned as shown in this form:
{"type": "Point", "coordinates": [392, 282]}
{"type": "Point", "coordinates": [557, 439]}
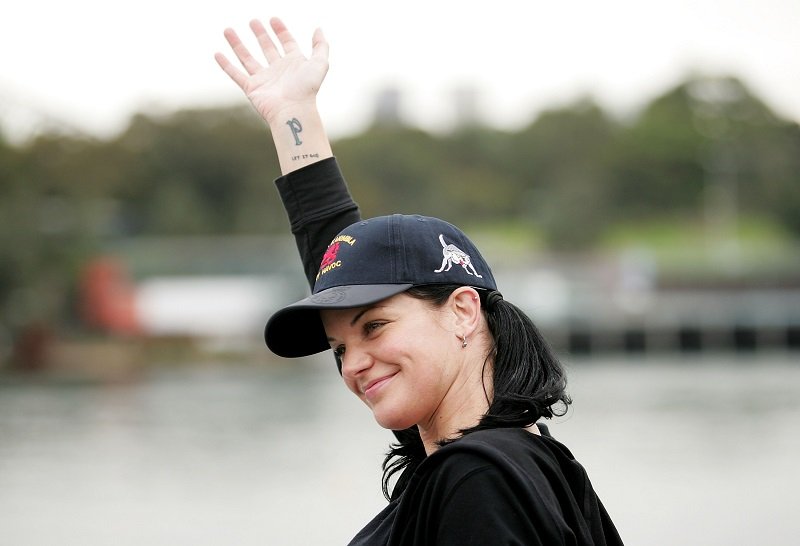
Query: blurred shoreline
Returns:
{"type": "Point", "coordinates": [675, 325]}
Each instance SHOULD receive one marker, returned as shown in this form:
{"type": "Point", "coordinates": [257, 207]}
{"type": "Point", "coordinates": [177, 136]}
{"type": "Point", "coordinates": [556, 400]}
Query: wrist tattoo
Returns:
{"type": "Point", "coordinates": [296, 128]}
{"type": "Point", "coordinates": [305, 156]}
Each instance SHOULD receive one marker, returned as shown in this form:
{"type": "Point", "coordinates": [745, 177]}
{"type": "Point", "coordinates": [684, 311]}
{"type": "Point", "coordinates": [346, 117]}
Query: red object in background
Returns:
{"type": "Point", "coordinates": [108, 297]}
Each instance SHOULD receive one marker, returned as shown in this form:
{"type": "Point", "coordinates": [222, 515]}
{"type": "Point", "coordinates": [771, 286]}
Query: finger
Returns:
{"type": "Point", "coordinates": [242, 53]}
{"type": "Point", "coordinates": [319, 46]}
{"type": "Point", "coordinates": [267, 45]}
{"type": "Point", "coordinates": [284, 36]}
{"type": "Point", "coordinates": [235, 74]}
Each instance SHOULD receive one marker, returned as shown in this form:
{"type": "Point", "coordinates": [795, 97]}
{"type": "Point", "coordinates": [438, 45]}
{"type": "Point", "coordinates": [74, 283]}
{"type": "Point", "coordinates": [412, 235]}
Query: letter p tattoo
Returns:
{"type": "Point", "coordinates": [296, 127]}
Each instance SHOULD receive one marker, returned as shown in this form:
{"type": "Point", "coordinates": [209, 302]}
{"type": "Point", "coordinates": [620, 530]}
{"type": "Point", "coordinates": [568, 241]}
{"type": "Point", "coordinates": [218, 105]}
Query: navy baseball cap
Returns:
{"type": "Point", "coordinates": [372, 260]}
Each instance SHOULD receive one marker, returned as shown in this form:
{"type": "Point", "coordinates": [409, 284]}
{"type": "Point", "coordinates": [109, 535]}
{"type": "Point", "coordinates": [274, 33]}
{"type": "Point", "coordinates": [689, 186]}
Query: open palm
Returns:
{"type": "Point", "coordinates": [287, 78]}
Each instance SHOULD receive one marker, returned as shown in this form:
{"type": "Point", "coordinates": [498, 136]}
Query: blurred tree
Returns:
{"type": "Point", "coordinates": [707, 145]}
{"type": "Point", "coordinates": [393, 168]}
{"type": "Point", "coordinates": [48, 213]}
{"type": "Point", "coordinates": [706, 150]}
{"type": "Point", "coordinates": [477, 177]}
{"type": "Point", "coordinates": [776, 166]}
{"type": "Point", "coordinates": [749, 148]}
{"type": "Point", "coordinates": [191, 171]}
{"type": "Point", "coordinates": [561, 165]}
{"type": "Point", "coordinates": [657, 164]}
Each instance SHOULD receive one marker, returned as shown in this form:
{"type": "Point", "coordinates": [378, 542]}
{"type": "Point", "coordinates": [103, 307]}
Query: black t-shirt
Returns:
{"type": "Point", "coordinates": [493, 487]}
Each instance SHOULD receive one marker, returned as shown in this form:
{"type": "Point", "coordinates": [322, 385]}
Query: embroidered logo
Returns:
{"type": "Point", "coordinates": [330, 259]}
{"type": "Point", "coordinates": [454, 255]}
{"type": "Point", "coordinates": [330, 296]}
{"type": "Point", "coordinates": [330, 255]}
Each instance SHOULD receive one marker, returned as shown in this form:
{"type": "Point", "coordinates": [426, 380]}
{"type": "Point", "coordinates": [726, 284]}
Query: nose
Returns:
{"type": "Point", "coordinates": [355, 361]}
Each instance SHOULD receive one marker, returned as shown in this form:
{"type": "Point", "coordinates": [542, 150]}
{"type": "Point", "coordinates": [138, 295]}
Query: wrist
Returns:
{"type": "Point", "coordinates": [299, 136]}
{"type": "Point", "coordinates": [278, 117]}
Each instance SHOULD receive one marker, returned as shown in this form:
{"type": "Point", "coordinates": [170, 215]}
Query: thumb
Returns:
{"type": "Point", "coordinates": [319, 46]}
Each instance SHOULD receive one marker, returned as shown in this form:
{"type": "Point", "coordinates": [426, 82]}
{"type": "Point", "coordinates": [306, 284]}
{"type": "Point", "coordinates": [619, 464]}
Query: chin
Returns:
{"type": "Point", "coordinates": [394, 420]}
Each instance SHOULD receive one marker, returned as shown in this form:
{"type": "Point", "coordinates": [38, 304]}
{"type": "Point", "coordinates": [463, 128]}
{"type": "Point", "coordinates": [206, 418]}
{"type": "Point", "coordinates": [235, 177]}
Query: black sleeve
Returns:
{"type": "Point", "coordinates": [319, 206]}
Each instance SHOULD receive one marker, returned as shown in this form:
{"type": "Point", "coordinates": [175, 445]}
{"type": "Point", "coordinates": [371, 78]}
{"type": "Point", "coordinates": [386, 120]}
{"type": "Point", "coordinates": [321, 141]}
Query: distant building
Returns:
{"type": "Point", "coordinates": [466, 99]}
{"type": "Point", "coordinates": [207, 287]}
{"type": "Point", "coordinates": [387, 108]}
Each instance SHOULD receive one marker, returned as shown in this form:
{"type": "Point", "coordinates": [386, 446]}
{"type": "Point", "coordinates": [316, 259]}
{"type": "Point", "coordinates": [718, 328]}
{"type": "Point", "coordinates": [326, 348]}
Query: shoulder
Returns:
{"type": "Point", "coordinates": [507, 445]}
{"type": "Point", "coordinates": [511, 455]}
{"type": "Point", "coordinates": [499, 453]}
{"type": "Point", "coordinates": [488, 484]}
{"type": "Point", "coordinates": [506, 483]}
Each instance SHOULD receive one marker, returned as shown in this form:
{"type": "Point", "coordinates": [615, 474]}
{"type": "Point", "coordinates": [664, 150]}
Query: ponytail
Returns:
{"type": "Point", "coordinates": [529, 383]}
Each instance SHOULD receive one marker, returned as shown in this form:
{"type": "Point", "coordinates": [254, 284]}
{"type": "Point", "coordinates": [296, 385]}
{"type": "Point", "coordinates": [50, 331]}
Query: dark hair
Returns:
{"type": "Point", "coordinates": [529, 382]}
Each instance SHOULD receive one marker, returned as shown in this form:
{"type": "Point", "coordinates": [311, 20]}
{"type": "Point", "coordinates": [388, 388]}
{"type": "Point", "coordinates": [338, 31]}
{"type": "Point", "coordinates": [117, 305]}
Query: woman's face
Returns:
{"type": "Point", "coordinates": [401, 356]}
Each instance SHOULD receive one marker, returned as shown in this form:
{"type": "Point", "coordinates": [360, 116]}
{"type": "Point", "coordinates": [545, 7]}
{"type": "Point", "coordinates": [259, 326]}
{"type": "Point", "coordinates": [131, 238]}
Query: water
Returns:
{"type": "Point", "coordinates": [691, 450]}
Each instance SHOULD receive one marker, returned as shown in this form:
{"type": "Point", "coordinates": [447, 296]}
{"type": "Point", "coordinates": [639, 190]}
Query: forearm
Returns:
{"type": "Point", "coordinates": [284, 93]}
{"type": "Point", "coordinates": [319, 206]}
{"type": "Point", "coordinates": [299, 136]}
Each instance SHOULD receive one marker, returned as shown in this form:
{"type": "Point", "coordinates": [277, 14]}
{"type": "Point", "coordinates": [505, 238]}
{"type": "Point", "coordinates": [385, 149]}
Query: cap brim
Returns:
{"type": "Point", "coordinates": [296, 330]}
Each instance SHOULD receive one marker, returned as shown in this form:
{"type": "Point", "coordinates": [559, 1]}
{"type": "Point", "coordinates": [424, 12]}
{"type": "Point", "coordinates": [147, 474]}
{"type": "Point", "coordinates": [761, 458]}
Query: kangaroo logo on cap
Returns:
{"type": "Point", "coordinates": [454, 255]}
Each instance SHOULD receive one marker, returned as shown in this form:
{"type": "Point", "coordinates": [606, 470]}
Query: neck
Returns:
{"type": "Point", "coordinates": [463, 407]}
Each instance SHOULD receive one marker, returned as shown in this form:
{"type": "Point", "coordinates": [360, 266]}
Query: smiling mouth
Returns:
{"type": "Point", "coordinates": [373, 388]}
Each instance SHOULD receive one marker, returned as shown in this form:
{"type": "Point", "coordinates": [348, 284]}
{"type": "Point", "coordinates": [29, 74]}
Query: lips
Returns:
{"type": "Point", "coordinates": [372, 388]}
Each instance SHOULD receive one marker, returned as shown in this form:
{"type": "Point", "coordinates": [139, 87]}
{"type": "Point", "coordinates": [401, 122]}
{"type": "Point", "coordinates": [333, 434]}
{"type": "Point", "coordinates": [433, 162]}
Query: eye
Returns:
{"type": "Point", "coordinates": [370, 327]}
{"type": "Point", "coordinates": [338, 353]}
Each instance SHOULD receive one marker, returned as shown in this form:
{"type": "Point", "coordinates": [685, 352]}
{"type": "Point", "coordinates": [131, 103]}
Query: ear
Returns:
{"type": "Point", "coordinates": [466, 307]}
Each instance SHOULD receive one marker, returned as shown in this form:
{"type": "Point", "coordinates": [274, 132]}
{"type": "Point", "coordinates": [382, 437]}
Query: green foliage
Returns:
{"type": "Point", "coordinates": [704, 153]}
{"type": "Point", "coordinates": [560, 163]}
{"type": "Point", "coordinates": [198, 172]}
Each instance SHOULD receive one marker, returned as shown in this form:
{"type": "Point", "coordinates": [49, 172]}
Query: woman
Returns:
{"type": "Point", "coordinates": [423, 337]}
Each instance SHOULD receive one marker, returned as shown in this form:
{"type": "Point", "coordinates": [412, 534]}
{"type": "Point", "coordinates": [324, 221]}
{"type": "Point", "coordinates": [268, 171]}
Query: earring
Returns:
{"type": "Point", "coordinates": [463, 342]}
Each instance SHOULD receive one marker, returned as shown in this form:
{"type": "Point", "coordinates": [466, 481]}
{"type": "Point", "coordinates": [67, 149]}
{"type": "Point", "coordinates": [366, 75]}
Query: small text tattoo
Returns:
{"type": "Point", "coordinates": [296, 127]}
{"type": "Point", "coordinates": [304, 156]}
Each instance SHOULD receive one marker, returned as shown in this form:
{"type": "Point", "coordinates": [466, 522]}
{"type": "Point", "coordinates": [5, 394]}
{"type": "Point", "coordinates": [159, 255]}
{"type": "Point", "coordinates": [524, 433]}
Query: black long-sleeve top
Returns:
{"type": "Point", "coordinates": [493, 487]}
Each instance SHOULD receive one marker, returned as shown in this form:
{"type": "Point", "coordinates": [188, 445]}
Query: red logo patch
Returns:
{"type": "Point", "coordinates": [330, 255]}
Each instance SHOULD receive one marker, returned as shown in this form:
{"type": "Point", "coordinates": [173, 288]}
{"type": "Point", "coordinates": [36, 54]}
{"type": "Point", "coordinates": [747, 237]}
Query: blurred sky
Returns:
{"type": "Point", "coordinates": [91, 64]}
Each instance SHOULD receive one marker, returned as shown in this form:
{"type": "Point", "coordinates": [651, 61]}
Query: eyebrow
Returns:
{"type": "Point", "coordinates": [358, 316]}
{"type": "Point", "coordinates": [361, 314]}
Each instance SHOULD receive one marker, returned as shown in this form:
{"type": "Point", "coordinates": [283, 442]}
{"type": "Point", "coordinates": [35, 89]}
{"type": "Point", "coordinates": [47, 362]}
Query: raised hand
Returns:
{"type": "Point", "coordinates": [288, 79]}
